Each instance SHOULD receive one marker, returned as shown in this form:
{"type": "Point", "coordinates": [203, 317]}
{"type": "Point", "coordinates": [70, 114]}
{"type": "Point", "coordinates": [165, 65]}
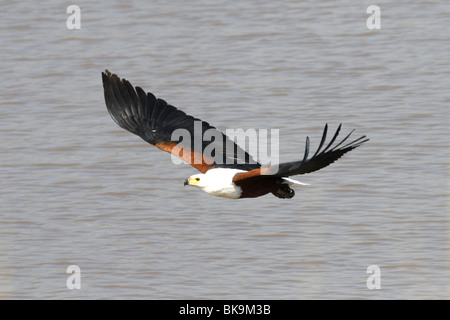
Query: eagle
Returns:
{"type": "Point", "coordinates": [227, 170]}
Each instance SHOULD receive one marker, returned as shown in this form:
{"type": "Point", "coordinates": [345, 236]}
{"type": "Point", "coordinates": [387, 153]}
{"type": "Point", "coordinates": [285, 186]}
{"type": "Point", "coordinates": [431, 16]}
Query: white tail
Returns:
{"type": "Point", "coordinates": [292, 182]}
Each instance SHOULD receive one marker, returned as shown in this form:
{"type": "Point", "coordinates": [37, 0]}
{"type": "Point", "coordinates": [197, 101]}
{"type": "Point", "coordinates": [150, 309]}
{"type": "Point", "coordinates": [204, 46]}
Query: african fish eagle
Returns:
{"type": "Point", "coordinates": [237, 175]}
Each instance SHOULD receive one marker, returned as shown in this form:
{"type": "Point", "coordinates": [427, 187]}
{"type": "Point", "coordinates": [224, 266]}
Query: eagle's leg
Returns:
{"type": "Point", "coordinates": [283, 191]}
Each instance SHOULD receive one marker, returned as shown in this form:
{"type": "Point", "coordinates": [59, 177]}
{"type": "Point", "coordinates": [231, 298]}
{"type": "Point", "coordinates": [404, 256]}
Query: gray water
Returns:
{"type": "Point", "coordinates": [78, 190]}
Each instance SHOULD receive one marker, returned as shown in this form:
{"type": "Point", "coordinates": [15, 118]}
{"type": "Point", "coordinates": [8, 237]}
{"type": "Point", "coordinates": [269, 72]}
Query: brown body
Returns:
{"type": "Point", "coordinates": [261, 185]}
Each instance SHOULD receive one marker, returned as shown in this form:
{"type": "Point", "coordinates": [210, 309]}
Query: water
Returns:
{"type": "Point", "coordinates": [76, 189]}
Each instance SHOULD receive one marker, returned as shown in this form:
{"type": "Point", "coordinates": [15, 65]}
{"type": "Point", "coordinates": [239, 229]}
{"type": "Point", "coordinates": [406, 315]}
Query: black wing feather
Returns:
{"type": "Point", "coordinates": [154, 120]}
{"type": "Point", "coordinates": [320, 159]}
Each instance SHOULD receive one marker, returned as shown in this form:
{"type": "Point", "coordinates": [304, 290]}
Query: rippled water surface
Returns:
{"type": "Point", "coordinates": [78, 190]}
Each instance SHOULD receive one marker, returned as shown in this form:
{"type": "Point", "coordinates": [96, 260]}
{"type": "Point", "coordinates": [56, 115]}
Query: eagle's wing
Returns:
{"type": "Point", "coordinates": [319, 160]}
{"type": "Point", "coordinates": [155, 121]}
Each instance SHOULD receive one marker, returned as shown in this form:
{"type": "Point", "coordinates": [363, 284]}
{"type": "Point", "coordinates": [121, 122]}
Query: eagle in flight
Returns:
{"type": "Point", "coordinates": [228, 171]}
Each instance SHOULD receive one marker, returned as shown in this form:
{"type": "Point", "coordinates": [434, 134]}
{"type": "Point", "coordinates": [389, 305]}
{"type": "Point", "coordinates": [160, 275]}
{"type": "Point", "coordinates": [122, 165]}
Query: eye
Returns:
{"type": "Point", "coordinates": [198, 179]}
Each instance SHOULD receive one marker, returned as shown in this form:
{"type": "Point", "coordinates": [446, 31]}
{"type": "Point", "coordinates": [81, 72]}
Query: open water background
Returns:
{"type": "Point", "coordinates": [76, 189]}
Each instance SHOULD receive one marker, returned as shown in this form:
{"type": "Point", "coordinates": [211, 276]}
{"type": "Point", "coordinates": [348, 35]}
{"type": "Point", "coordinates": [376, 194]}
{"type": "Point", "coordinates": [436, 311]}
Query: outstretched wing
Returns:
{"type": "Point", "coordinates": [319, 160]}
{"type": "Point", "coordinates": [156, 122]}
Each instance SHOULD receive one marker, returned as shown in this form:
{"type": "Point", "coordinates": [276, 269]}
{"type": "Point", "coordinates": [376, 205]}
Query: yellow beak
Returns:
{"type": "Point", "coordinates": [190, 181]}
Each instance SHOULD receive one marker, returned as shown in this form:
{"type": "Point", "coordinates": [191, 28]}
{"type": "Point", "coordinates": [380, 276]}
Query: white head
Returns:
{"type": "Point", "coordinates": [197, 180]}
{"type": "Point", "coordinates": [217, 182]}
